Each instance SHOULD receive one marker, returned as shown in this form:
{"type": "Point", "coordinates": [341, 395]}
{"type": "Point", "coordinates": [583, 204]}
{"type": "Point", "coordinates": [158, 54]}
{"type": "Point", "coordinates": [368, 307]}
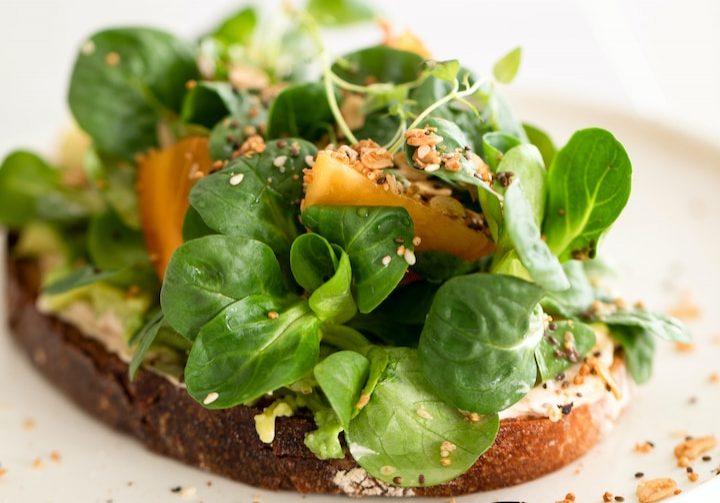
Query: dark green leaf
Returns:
{"type": "Point", "coordinates": [80, 277]}
{"type": "Point", "coordinates": [257, 197]}
{"type": "Point", "coordinates": [312, 261]}
{"type": "Point", "coordinates": [116, 180]}
{"type": "Point", "coordinates": [551, 355]}
{"type": "Point", "coordinates": [524, 233]}
{"type": "Point", "coordinates": [237, 28]}
{"type": "Point", "coordinates": [145, 337]}
{"type": "Point", "coordinates": [333, 301]}
{"type": "Point", "coordinates": [339, 12]}
{"type": "Point", "coordinates": [194, 226]}
{"type": "Point", "coordinates": [206, 275]}
{"type": "Point", "coordinates": [507, 67]}
{"type": "Point", "coordinates": [542, 141]}
{"type": "Point", "coordinates": [112, 245]}
{"type": "Point", "coordinates": [300, 111]}
{"type": "Point", "coordinates": [576, 299]}
{"type": "Point", "coordinates": [439, 266]}
{"type": "Point", "coordinates": [368, 235]}
{"type": "Point", "coordinates": [125, 81]}
{"type": "Point", "coordinates": [341, 376]}
{"type": "Point", "coordinates": [379, 63]}
{"type": "Point", "coordinates": [658, 325]}
{"type": "Point", "coordinates": [638, 348]}
{"type": "Point", "coordinates": [477, 347]}
{"type": "Point", "coordinates": [243, 353]}
{"type": "Point", "coordinates": [588, 186]}
{"type": "Point", "coordinates": [400, 434]}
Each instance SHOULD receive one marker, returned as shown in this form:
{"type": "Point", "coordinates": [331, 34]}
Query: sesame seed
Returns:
{"type": "Point", "coordinates": [386, 260]}
{"type": "Point", "coordinates": [273, 315]}
{"type": "Point", "coordinates": [211, 397]}
{"type": "Point", "coordinates": [191, 84]}
{"type": "Point", "coordinates": [445, 461]}
{"type": "Point", "coordinates": [310, 160]}
{"type": "Point", "coordinates": [400, 251]}
{"type": "Point", "coordinates": [88, 48]}
{"type": "Point", "coordinates": [112, 58]}
{"type": "Point", "coordinates": [619, 498]}
{"type": "Point", "coordinates": [706, 458]}
{"type": "Point", "coordinates": [37, 464]}
{"type": "Point", "coordinates": [397, 480]}
{"type": "Point", "coordinates": [421, 479]}
{"type": "Point", "coordinates": [420, 411]}
{"type": "Point", "coordinates": [175, 489]}
{"type": "Point", "coordinates": [236, 179]}
{"type": "Point", "coordinates": [3, 471]}
{"type": "Point", "coordinates": [55, 456]}
{"type": "Point", "coordinates": [279, 161]}
{"type": "Point", "coordinates": [409, 257]}
{"type": "Point", "coordinates": [416, 241]}
{"type": "Point", "coordinates": [188, 492]}
{"type": "Point", "coordinates": [431, 168]}
{"type": "Point", "coordinates": [639, 475]}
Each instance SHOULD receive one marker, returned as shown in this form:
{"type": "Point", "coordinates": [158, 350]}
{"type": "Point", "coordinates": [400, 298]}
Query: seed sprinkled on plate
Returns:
{"type": "Point", "coordinates": [211, 397]}
{"type": "Point", "coordinates": [386, 260]}
{"type": "Point", "coordinates": [236, 179]}
{"type": "Point", "coordinates": [279, 160]}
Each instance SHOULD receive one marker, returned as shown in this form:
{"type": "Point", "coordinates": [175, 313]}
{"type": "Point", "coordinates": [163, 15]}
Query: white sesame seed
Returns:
{"type": "Point", "coordinates": [409, 257]}
{"type": "Point", "coordinates": [431, 168]}
{"type": "Point", "coordinates": [188, 492]}
{"type": "Point", "coordinates": [236, 179]}
{"type": "Point", "coordinates": [423, 413]}
{"type": "Point", "coordinates": [400, 250]}
{"type": "Point", "coordinates": [210, 398]}
{"type": "Point", "coordinates": [310, 160]}
{"type": "Point", "coordinates": [416, 241]}
{"type": "Point", "coordinates": [386, 260]}
{"type": "Point", "coordinates": [88, 48]}
{"type": "Point", "coordinates": [279, 160]}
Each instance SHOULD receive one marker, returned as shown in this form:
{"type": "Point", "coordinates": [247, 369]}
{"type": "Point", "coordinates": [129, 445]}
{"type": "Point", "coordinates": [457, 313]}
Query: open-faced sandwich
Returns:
{"type": "Point", "coordinates": [358, 275]}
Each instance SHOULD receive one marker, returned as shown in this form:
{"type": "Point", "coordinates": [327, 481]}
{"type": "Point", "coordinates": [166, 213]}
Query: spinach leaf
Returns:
{"type": "Point", "coordinates": [439, 266]}
{"type": "Point", "coordinates": [208, 102]}
{"type": "Point", "coordinates": [339, 12]}
{"type": "Point", "coordinates": [248, 117]}
{"type": "Point", "coordinates": [252, 347]}
{"type": "Point", "coordinates": [301, 111]}
{"type": "Point", "coordinates": [379, 64]}
{"type": "Point", "coordinates": [238, 28]}
{"type": "Point", "coordinates": [370, 237]}
{"type": "Point", "coordinates": [145, 337]}
{"type": "Point", "coordinates": [194, 226]}
{"type": "Point", "coordinates": [477, 346]}
{"type": "Point", "coordinates": [588, 186]}
{"type": "Point", "coordinates": [333, 300]}
{"type": "Point", "coordinates": [495, 144]}
{"type": "Point", "coordinates": [312, 261]}
{"type": "Point", "coordinates": [524, 233]}
{"type": "Point", "coordinates": [129, 76]}
{"type": "Point", "coordinates": [525, 164]}
{"type": "Point", "coordinates": [402, 434]}
{"type": "Point", "coordinates": [507, 67]}
{"type": "Point", "coordinates": [638, 348]}
{"type": "Point", "coordinates": [664, 327]}
{"type": "Point", "coordinates": [576, 299]}
{"type": "Point", "coordinates": [207, 274]}
{"type": "Point", "coordinates": [116, 181]}
{"type": "Point", "coordinates": [551, 354]}
{"type": "Point", "coordinates": [257, 197]}
{"type": "Point", "coordinates": [341, 376]}
{"type": "Point", "coordinates": [112, 245]}
{"type": "Point", "coordinates": [324, 441]}
{"type": "Point", "coordinates": [31, 190]}
{"type": "Point", "coordinates": [542, 141]}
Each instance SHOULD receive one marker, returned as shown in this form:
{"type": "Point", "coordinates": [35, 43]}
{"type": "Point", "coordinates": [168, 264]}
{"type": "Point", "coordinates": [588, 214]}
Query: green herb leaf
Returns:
{"type": "Point", "coordinates": [664, 327]}
{"type": "Point", "coordinates": [79, 277]}
{"type": "Point", "coordinates": [524, 233]}
{"type": "Point", "coordinates": [206, 275]}
{"type": "Point", "coordinates": [638, 348]}
{"type": "Point", "coordinates": [333, 300]}
{"type": "Point", "coordinates": [238, 28]}
{"type": "Point", "coordinates": [244, 352]}
{"type": "Point", "coordinates": [341, 376]}
{"type": "Point", "coordinates": [300, 111]}
{"type": "Point", "coordinates": [588, 185]}
{"type": "Point", "coordinates": [145, 337]}
{"type": "Point", "coordinates": [542, 141]}
{"type": "Point", "coordinates": [507, 67]}
{"type": "Point", "coordinates": [339, 12]}
{"type": "Point", "coordinates": [399, 436]}
{"type": "Point", "coordinates": [495, 144]}
{"type": "Point", "coordinates": [575, 300]}
{"type": "Point", "coordinates": [443, 70]}
{"type": "Point", "coordinates": [439, 266]}
{"type": "Point", "coordinates": [129, 76]}
{"type": "Point", "coordinates": [312, 261]}
{"type": "Point", "coordinates": [112, 245]}
{"type": "Point", "coordinates": [477, 347]}
{"type": "Point", "coordinates": [368, 235]}
{"type": "Point", "coordinates": [194, 226]}
{"type": "Point", "coordinates": [551, 355]}
{"type": "Point", "coordinates": [257, 197]}
{"type": "Point", "coordinates": [379, 63]}
{"type": "Point", "coordinates": [116, 181]}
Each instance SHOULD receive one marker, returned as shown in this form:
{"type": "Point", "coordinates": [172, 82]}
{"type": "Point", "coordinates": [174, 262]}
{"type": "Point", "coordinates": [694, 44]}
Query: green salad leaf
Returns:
{"type": "Point", "coordinates": [333, 300]}
{"type": "Point", "coordinates": [301, 111]}
{"type": "Point", "coordinates": [339, 12]}
{"type": "Point", "coordinates": [400, 437]}
{"type": "Point", "coordinates": [252, 347]}
{"type": "Point", "coordinates": [379, 64]}
{"type": "Point", "coordinates": [341, 377]}
{"type": "Point", "coordinates": [238, 28]}
{"type": "Point", "coordinates": [542, 141]}
{"type": "Point", "coordinates": [371, 236]}
{"type": "Point", "coordinates": [638, 349]}
{"type": "Point", "coordinates": [129, 76]}
{"type": "Point", "coordinates": [576, 299]}
{"type": "Point", "coordinates": [551, 354]}
{"type": "Point", "coordinates": [478, 343]}
{"type": "Point", "coordinates": [588, 186]}
{"type": "Point", "coordinates": [661, 326]}
{"type": "Point", "coordinates": [507, 67]}
{"type": "Point", "coordinates": [312, 261]}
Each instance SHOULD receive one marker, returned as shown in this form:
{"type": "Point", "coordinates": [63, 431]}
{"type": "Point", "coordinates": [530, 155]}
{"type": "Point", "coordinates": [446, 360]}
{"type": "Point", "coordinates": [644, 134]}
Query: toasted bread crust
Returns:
{"type": "Point", "coordinates": [164, 418]}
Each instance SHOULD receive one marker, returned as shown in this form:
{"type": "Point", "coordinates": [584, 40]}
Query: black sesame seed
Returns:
{"type": "Point", "coordinates": [639, 475]}
{"type": "Point", "coordinates": [706, 458]}
{"type": "Point", "coordinates": [689, 469]}
{"type": "Point", "coordinates": [421, 478]}
{"type": "Point", "coordinates": [397, 481]}
{"type": "Point", "coordinates": [552, 326]}
{"type": "Point", "coordinates": [566, 409]}
{"type": "Point", "coordinates": [651, 444]}
{"type": "Point", "coordinates": [560, 376]}
{"type": "Point", "coordinates": [619, 498]}
{"type": "Point", "coordinates": [544, 385]}
{"type": "Point", "coordinates": [176, 489]}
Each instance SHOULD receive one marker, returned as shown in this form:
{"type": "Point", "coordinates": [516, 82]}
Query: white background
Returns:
{"type": "Point", "coordinates": [658, 58]}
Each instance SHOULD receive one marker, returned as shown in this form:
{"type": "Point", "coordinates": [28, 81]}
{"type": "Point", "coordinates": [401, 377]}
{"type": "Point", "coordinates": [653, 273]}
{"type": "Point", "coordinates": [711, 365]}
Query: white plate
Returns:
{"type": "Point", "coordinates": [668, 245]}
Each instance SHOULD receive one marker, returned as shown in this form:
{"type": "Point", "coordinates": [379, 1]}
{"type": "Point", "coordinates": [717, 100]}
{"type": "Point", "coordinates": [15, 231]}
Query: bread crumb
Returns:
{"type": "Point", "coordinates": [37, 464]}
{"type": "Point", "coordinates": [649, 491]}
{"type": "Point", "coordinates": [644, 447]}
{"type": "Point", "coordinates": [685, 308]}
{"type": "Point", "coordinates": [684, 347]}
{"type": "Point", "coordinates": [28, 424]}
{"type": "Point", "coordinates": [55, 456]}
{"type": "Point", "coordinates": [3, 471]}
{"type": "Point", "coordinates": [714, 378]}
{"type": "Point", "coordinates": [607, 497]}
{"type": "Point", "coordinates": [693, 476]}
{"type": "Point", "coordinates": [569, 498]}
{"type": "Point", "coordinates": [694, 447]}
